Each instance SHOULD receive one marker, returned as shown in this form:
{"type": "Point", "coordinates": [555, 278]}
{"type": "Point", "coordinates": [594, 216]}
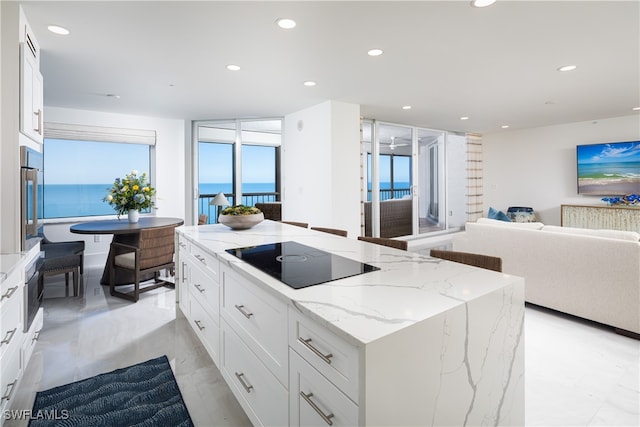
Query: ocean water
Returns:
{"type": "Point", "coordinates": [75, 200]}
{"type": "Point", "coordinates": [619, 170]}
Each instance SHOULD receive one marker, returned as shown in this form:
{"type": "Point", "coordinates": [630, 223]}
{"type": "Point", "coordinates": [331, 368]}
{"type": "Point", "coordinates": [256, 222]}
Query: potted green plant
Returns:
{"type": "Point", "coordinates": [241, 217]}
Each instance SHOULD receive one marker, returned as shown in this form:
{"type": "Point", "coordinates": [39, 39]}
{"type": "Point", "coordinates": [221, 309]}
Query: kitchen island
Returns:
{"type": "Point", "coordinates": [421, 341]}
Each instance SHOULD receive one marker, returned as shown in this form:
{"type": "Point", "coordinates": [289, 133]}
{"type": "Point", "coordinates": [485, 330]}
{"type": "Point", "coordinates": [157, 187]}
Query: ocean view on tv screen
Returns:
{"type": "Point", "coordinates": [609, 169]}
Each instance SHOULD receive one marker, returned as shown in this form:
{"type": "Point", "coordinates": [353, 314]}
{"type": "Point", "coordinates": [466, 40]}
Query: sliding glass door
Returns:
{"type": "Point", "coordinates": [415, 180]}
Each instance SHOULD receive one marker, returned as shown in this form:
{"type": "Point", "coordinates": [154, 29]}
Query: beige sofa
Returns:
{"type": "Point", "coordinates": [593, 274]}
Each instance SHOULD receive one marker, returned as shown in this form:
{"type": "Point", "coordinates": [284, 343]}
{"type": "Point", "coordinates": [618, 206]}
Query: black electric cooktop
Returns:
{"type": "Point", "coordinates": [299, 265]}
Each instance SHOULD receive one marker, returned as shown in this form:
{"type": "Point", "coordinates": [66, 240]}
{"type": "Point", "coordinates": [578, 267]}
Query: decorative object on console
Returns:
{"type": "Point", "coordinates": [627, 200]}
{"type": "Point", "coordinates": [133, 192]}
{"type": "Point", "coordinates": [499, 215]}
{"type": "Point", "coordinates": [521, 214]}
{"type": "Point", "coordinates": [241, 217]}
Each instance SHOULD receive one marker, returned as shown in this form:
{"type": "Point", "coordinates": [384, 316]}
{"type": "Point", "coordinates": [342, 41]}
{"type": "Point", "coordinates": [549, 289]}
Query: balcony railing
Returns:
{"type": "Point", "coordinates": [396, 193]}
{"type": "Point", "coordinates": [248, 199]}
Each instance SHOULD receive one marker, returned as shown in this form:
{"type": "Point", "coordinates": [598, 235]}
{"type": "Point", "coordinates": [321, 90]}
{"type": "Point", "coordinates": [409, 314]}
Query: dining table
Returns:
{"type": "Point", "coordinates": [124, 232]}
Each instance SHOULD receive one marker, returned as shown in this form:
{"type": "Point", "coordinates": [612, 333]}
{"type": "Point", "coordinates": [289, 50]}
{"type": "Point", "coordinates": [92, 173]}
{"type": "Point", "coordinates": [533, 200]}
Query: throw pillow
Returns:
{"type": "Point", "coordinates": [499, 215]}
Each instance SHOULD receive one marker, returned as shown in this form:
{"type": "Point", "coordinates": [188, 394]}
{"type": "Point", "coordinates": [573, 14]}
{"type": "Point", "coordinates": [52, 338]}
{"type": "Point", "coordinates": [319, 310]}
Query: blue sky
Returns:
{"type": "Point", "coordinates": [609, 153]}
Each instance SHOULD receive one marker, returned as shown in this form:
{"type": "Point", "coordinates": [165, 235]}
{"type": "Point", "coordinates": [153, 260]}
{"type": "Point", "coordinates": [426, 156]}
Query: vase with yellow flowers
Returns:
{"type": "Point", "coordinates": [131, 194]}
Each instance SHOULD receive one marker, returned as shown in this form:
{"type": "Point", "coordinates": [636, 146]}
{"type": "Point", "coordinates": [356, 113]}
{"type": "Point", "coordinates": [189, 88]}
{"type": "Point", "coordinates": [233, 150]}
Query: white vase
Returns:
{"type": "Point", "coordinates": [134, 215]}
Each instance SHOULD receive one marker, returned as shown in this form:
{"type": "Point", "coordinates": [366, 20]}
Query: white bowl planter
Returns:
{"type": "Point", "coordinates": [241, 222]}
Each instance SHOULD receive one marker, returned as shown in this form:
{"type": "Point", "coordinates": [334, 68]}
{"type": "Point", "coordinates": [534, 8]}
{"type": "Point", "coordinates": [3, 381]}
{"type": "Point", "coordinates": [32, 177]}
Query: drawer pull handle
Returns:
{"type": "Point", "coordinates": [197, 322]}
{"type": "Point", "coordinates": [201, 259]}
{"type": "Point", "coordinates": [244, 312]}
{"type": "Point", "coordinates": [198, 287]}
{"type": "Point", "coordinates": [183, 245]}
{"type": "Point", "coordinates": [307, 343]}
{"type": "Point", "coordinates": [36, 336]}
{"type": "Point", "coordinates": [184, 269]}
{"type": "Point", "coordinates": [246, 386]}
{"type": "Point", "coordinates": [7, 396]}
{"type": "Point", "coordinates": [10, 292]}
{"type": "Point", "coordinates": [9, 336]}
{"type": "Point", "coordinates": [326, 418]}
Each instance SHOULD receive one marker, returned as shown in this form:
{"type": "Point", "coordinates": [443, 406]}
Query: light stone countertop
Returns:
{"type": "Point", "coordinates": [8, 262]}
{"type": "Point", "coordinates": [408, 289]}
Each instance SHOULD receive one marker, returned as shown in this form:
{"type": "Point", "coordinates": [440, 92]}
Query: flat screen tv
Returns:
{"type": "Point", "coordinates": [609, 169]}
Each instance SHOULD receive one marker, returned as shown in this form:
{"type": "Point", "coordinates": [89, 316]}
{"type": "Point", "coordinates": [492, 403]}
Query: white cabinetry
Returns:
{"type": "Point", "coordinates": [31, 89]}
{"type": "Point", "coordinates": [11, 313]}
{"type": "Point", "coordinates": [16, 344]}
{"type": "Point", "coordinates": [199, 294]}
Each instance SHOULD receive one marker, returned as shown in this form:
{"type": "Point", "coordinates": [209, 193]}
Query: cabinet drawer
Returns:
{"type": "Point", "coordinates": [205, 289]}
{"type": "Point", "coordinates": [260, 319]}
{"type": "Point", "coordinates": [262, 397]}
{"type": "Point", "coordinates": [10, 288]}
{"type": "Point", "coordinates": [11, 372]}
{"type": "Point", "coordinates": [330, 354]}
{"type": "Point", "coordinates": [314, 401]}
{"type": "Point", "coordinates": [207, 261]}
{"type": "Point", "coordinates": [207, 329]}
{"type": "Point", "coordinates": [11, 323]}
{"type": "Point", "coordinates": [32, 338]}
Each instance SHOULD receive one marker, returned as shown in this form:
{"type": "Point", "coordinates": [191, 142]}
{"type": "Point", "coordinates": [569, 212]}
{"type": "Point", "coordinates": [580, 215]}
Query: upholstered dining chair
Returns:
{"type": "Point", "coordinates": [477, 260]}
{"type": "Point", "coordinates": [271, 210]}
{"type": "Point", "coordinates": [335, 231]}
{"type": "Point", "coordinates": [152, 254]}
{"type": "Point", "coordinates": [296, 223]}
{"type": "Point", "coordinates": [62, 257]}
{"type": "Point", "coordinates": [392, 243]}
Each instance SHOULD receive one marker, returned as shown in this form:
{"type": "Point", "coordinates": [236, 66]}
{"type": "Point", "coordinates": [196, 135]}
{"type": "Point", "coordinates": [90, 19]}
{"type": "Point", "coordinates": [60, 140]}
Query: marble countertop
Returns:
{"type": "Point", "coordinates": [409, 288]}
{"type": "Point", "coordinates": [8, 262]}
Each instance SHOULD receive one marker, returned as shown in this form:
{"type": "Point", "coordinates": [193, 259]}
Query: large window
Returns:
{"type": "Point", "coordinates": [78, 174]}
{"type": "Point", "coordinates": [239, 158]}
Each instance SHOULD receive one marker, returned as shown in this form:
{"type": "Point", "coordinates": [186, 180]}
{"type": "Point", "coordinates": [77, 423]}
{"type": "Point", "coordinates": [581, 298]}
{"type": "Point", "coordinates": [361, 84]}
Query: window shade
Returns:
{"type": "Point", "coordinates": [99, 133]}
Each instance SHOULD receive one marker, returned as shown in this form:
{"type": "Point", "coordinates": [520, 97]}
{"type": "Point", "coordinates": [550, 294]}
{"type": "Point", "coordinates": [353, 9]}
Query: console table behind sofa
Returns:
{"type": "Point", "coordinates": [601, 217]}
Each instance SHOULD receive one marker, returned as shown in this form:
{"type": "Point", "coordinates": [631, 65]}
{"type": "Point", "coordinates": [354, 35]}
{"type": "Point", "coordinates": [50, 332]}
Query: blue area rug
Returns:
{"type": "Point", "coordinates": [145, 394]}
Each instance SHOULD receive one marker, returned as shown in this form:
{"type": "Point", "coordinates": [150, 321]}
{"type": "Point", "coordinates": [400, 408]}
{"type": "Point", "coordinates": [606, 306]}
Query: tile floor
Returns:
{"type": "Point", "coordinates": [577, 373]}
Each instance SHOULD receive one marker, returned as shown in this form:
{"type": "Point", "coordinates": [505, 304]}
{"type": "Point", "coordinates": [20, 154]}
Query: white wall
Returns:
{"type": "Point", "coordinates": [537, 167]}
{"type": "Point", "coordinates": [170, 166]}
{"type": "Point", "coordinates": [321, 166]}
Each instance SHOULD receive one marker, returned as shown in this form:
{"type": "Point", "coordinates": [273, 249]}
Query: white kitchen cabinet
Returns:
{"type": "Point", "coordinates": [261, 395]}
{"type": "Point", "coordinates": [31, 92]}
{"type": "Point", "coordinates": [314, 400]}
{"type": "Point", "coordinates": [364, 350]}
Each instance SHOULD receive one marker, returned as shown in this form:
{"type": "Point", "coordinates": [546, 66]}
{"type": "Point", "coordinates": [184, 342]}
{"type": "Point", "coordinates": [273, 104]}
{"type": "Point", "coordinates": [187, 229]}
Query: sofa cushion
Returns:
{"type": "Point", "coordinates": [610, 234]}
{"type": "Point", "coordinates": [526, 225]}
{"type": "Point", "coordinates": [499, 215]}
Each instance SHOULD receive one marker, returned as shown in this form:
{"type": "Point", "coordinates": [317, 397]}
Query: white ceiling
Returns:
{"type": "Point", "coordinates": [496, 65]}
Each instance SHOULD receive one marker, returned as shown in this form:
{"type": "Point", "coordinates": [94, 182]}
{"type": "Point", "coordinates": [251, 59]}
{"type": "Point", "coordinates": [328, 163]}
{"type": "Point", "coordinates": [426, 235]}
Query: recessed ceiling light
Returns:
{"type": "Point", "coordinates": [112, 95]}
{"type": "Point", "coordinates": [482, 3]}
{"type": "Point", "coordinates": [567, 68]}
{"type": "Point", "coordinates": [636, 108]}
{"type": "Point", "coordinates": [232, 67]}
{"type": "Point", "coordinates": [464, 118]}
{"type": "Point", "coordinates": [58, 30]}
{"type": "Point", "coordinates": [309, 83]}
{"type": "Point", "coordinates": [286, 23]}
{"type": "Point", "coordinates": [406, 107]}
{"type": "Point", "coordinates": [375, 52]}
{"type": "Point", "coordinates": [504, 126]}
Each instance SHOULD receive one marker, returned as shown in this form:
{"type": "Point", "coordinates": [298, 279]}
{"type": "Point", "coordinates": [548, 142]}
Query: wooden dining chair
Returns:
{"type": "Point", "coordinates": [297, 224]}
{"type": "Point", "coordinates": [392, 243]}
{"type": "Point", "coordinates": [476, 260]}
{"type": "Point", "coordinates": [152, 254]}
{"type": "Point", "coordinates": [335, 231]}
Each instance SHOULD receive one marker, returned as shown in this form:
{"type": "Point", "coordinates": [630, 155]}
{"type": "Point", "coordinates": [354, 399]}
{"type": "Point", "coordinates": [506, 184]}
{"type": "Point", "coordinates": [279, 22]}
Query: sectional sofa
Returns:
{"type": "Point", "coordinates": [593, 274]}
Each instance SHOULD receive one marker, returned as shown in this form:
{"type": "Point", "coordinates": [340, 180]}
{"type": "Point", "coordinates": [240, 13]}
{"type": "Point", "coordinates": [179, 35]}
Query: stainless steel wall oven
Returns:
{"type": "Point", "coordinates": [31, 195]}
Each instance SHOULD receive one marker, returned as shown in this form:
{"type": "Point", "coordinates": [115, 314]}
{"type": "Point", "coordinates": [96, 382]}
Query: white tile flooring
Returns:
{"type": "Point", "coordinates": [577, 373]}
